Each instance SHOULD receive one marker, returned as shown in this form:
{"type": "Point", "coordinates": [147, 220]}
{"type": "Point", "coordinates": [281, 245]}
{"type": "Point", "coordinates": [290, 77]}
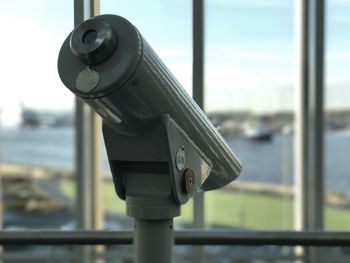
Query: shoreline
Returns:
{"type": "Point", "coordinates": [8, 170]}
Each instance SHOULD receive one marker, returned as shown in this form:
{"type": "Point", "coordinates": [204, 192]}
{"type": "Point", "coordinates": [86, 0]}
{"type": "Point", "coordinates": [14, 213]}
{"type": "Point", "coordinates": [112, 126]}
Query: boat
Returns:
{"type": "Point", "coordinates": [257, 131]}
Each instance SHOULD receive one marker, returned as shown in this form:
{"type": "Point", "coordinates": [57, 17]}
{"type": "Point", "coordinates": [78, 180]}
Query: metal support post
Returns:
{"type": "Point", "coordinates": [88, 157]}
{"type": "Point", "coordinates": [88, 139]}
{"type": "Point", "coordinates": [1, 190]}
{"type": "Point", "coordinates": [149, 201]}
{"type": "Point", "coordinates": [198, 52]}
{"type": "Point", "coordinates": [198, 96]}
{"type": "Point", "coordinates": [309, 159]}
{"type": "Point", "coordinates": [83, 202]}
{"type": "Point", "coordinates": [153, 240]}
{"type": "Point", "coordinates": [198, 89]}
{"type": "Point", "coordinates": [96, 160]}
{"type": "Point", "coordinates": [309, 118]}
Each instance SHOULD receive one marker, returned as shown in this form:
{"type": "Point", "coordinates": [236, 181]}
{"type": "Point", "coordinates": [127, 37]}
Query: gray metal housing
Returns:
{"type": "Point", "coordinates": [132, 89]}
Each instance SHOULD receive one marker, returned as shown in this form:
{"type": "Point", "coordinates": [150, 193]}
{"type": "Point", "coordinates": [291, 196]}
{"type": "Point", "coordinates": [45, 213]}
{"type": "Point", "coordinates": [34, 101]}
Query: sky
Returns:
{"type": "Point", "coordinates": [249, 51]}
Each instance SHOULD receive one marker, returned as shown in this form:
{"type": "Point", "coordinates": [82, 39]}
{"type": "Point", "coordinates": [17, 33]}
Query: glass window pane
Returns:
{"type": "Point", "coordinates": [249, 97]}
{"type": "Point", "coordinates": [337, 116]}
{"type": "Point", "coordinates": [37, 133]}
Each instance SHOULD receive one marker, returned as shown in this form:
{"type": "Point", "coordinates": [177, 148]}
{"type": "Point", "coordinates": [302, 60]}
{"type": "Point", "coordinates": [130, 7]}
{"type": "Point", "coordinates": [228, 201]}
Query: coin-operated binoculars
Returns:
{"type": "Point", "coordinates": [161, 147]}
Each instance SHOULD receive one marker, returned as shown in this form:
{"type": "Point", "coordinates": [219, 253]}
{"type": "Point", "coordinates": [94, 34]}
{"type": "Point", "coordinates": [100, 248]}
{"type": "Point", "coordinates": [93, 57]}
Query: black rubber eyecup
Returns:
{"type": "Point", "coordinates": [93, 41]}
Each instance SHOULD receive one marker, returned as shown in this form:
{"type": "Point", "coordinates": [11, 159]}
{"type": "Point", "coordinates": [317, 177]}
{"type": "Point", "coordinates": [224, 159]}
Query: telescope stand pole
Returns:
{"type": "Point", "coordinates": [153, 241]}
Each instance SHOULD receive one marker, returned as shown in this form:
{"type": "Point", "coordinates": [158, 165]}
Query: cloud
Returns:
{"type": "Point", "coordinates": [182, 71]}
{"type": "Point", "coordinates": [339, 2]}
{"type": "Point", "coordinates": [254, 3]}
{"type": "Point", "coordinates": [265, 56]}
{"type": "Point", "coordinates": [333, 56]}
{"type": "Point", "coordinates": [171, 53]}
{"type": "Point", "coordinates": [343, 19]}
{"type": "Point", "coordinates": [254, 55]}
{"type": "Point", "coordinates": [29, 66]}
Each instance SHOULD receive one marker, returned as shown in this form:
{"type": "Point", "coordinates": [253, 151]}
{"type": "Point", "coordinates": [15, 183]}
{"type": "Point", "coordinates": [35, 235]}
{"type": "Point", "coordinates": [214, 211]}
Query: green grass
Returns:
{"type": "Point", "coordinates": [234, 209]}
{"type": "Point", "coordinates": [337, 219]}
{"type": "Point", "coordinates": [248, 210]}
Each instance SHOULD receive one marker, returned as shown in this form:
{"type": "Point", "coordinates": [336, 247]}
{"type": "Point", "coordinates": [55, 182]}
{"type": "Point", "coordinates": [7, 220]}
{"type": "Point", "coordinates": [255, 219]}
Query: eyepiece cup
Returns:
{"type": "Point", "coordinates": [93, 41]}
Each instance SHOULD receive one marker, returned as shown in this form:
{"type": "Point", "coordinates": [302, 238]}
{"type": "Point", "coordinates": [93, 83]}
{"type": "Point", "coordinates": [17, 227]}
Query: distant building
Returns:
{"type": "Point", "coordinates": [32, 118]}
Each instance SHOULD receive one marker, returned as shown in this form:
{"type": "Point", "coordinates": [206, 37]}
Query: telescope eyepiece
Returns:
{"type": "Point", "coordinates": [93, 41]}
{"type": "Point", "coordinates": [89, 37]}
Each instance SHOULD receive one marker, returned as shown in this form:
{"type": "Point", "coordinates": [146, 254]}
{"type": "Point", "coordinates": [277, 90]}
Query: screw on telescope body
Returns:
{"type": "Point", "coordinates": [135, 83]}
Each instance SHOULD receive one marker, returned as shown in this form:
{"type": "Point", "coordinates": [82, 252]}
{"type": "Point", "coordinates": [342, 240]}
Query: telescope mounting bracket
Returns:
{"type": "Point", "coordinates": [162, 156]}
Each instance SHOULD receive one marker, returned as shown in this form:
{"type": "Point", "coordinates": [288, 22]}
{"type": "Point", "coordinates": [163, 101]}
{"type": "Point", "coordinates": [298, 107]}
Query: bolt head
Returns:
{"type": "Point", "coordinates": [188, 181]}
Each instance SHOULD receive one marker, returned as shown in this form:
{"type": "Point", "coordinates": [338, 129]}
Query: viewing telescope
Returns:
{"type": "Point", "coordinates": [161, 147]}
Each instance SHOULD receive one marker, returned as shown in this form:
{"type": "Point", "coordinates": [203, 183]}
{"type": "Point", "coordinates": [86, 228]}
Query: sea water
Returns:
{"type": "Point", "coordinates": [269, 162]}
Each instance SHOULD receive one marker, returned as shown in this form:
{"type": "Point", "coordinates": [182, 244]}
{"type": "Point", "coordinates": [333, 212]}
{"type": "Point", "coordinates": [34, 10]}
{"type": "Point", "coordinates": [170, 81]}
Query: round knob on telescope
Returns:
{"type": "Point", "coordinates": [93, 41]}
{"type": "Point", "coordinates": [188, 181]}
